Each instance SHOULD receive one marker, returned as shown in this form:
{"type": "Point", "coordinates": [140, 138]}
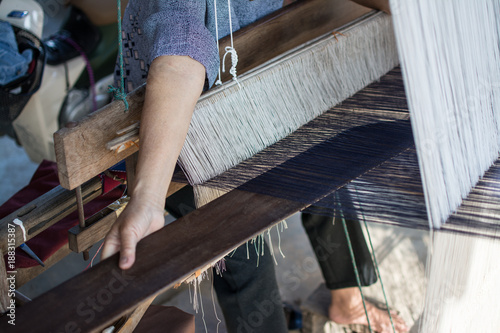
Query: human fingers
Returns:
{"type": "Point", "coordinates": [129, 239]}
{"type": "Point", "coordinates": [111, 243]}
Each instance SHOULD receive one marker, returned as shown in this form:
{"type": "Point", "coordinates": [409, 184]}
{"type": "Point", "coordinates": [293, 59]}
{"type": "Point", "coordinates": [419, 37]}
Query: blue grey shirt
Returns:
{"type": "Point", "coordinates": [152, 28]}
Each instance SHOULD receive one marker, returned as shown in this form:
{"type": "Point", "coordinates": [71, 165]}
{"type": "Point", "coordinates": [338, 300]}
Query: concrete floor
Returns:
{"type": "Point", "coordinates": [15, 168]}
{"type": "Point", "coordinates": [400, 253]}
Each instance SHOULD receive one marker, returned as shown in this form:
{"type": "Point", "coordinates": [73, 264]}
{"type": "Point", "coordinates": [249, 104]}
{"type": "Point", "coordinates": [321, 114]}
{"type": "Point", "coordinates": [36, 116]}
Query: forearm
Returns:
{"type": "Point", "coordinates": [173, 87]}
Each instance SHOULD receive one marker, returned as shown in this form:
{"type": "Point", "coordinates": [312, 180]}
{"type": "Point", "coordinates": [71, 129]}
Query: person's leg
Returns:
{"type": "Point", "coordinates": [248, 294]}
{"type": "Point", "coordinates": [329, 242]}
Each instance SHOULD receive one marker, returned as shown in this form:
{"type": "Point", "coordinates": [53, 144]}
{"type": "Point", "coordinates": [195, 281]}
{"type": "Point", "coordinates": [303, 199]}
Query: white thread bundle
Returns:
{"type": "Point", "coordinates": [232, 124]}
{"type": "Point", "coordinates": [450, 58]}
{"type": "Point", "coordinates": [449, 53]}
{"type": "Point", "coordinates": [462, 289]}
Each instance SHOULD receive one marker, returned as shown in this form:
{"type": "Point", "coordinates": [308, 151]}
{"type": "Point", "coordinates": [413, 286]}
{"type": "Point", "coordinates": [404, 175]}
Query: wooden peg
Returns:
{"type": "Point", "coordinates": [81, 216]}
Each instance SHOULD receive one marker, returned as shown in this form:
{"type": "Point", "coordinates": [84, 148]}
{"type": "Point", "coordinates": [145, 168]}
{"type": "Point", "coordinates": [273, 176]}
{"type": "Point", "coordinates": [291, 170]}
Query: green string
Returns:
{"type": "Point", "coordinates": [353, 260]}
{"type": "Point", "coordinates": [119, 93]}
{"type": "Point", "coordinates": [375, 260]}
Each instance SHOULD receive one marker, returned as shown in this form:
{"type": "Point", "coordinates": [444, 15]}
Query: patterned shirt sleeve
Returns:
{"type": "Point", "coordinates": [177, 27]}
{"type": "Point", "coordinates": [167, 27]}
{"type": "Point", "coordinates": [153, 28]}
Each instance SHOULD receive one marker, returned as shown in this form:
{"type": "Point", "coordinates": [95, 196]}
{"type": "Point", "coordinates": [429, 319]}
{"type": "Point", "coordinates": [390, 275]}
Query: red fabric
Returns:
{"type": "Point", "coordinates": [108, 184]}
{"type": "Point", "coordinates": [49, 241]}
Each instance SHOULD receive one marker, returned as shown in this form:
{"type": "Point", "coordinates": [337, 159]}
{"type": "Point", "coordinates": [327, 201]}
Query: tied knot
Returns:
{"type": "Point", "coordinates": [119, 94]}
{"type": "Point", "coordinates": [234, 61]}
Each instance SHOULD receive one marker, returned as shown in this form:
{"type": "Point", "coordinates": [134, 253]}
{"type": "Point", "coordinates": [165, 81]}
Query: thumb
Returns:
{"type": "Point", "coordinates": [111, 244]}
{"type": "Point", "coordinates": [127, 251]}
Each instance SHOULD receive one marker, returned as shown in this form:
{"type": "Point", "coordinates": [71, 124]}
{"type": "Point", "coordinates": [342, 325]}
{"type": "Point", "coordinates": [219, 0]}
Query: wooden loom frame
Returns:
{"type": "Point", "coordinates": [80, 161]}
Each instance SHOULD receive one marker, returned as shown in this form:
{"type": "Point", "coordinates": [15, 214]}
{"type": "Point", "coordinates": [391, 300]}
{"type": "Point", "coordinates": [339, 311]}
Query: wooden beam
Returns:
{"type": "Point", "coordinates": [4, 286]}
{"type": "Point", "coordinates": [46, 210]}
{"type": "Point", "coordinates": [80, 239]}
{"type": "Point", "coordinates": [162, 260]}
{"type": "Point", "coordinates": [133, 319]}
{"type": "Point", "coordinates": [130, 164]}
{"type": "Point", "coordinates": [176, 320]}
{"type": "Point", "coordinates": [286, 29]}
{"type": "Point", "coordinates": [81, 151]}
{"type": "Point", "coordinates": [174, 187]}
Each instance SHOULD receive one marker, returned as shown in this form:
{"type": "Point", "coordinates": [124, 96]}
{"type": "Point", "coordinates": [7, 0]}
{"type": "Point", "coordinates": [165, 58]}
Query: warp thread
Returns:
{"type": "Point", "coordinates": [451, 62]}
{"type": "Point", "coordinates": [232, 126]}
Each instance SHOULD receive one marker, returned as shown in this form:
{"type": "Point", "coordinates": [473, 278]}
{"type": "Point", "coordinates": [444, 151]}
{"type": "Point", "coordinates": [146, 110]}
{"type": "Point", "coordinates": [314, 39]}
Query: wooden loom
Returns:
{"type": "Point", "coordinates": [218, 220]}
{"type": "Point", "coordinates": [316, 18]}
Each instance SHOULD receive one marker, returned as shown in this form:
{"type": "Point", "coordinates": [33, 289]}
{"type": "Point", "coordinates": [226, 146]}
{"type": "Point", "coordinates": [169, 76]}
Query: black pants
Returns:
{"type": "Point", "coordinates": [329, 242]}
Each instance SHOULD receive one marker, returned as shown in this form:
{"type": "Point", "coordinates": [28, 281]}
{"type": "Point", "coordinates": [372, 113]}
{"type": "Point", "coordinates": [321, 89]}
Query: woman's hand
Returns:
{"type": "Point", "coordinates": [139, 219]}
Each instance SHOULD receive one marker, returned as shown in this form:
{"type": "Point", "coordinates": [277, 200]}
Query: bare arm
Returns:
{"type": "Point", "coordinates": [173, 87]}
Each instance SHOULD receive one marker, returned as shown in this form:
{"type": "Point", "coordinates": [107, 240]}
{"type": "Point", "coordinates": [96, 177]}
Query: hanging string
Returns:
{"type": "Point", "coordinates": [279, 239]}
{"type": "Point", "coordinates": [257, 248]}
{"type": "Point", "coordinates": [271, 246]}
{"type": "Point", "coordinates": [200, 278]}
{"type": "Point", "coordinates": [353, 260]}
{"type": "Point", "coordinates": [91, 263]}
{"type": "Point", "coordinates": [248, 253]}
{"type": "Point", "coordinates": [213, 303]}
{"type": "Point", "coordinates": [375, 260]}
{"type": "Point", "coordinates": [231, 50]}
{"type": "Point", "coordinates": [119, 93]}
{"type": "Point", "coordinates": [219, 81]}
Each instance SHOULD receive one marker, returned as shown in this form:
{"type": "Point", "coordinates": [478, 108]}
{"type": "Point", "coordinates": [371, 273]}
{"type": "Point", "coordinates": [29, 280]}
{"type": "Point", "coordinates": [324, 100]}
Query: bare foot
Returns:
{"type": "Point", "coordinates": [347, 308]}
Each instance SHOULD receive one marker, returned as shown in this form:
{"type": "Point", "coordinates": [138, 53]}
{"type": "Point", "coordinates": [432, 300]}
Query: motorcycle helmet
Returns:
{"type": "Point", "coordinates": [15, 94]}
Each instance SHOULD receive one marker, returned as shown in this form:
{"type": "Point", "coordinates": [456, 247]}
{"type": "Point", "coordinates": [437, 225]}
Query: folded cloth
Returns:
{"type": "Point", "coordinates": [49, 241]}
{"type": "Point", "coordinates": [13, 64]}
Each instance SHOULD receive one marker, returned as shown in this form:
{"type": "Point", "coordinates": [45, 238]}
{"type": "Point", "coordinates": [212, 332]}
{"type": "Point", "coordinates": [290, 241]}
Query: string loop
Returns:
{"type": "Point", "coordinates": [229, 49]}
{"type": "Point", "coordinates": [234, 62]}
{"type": "Point", "coordinates": [119, 93]}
